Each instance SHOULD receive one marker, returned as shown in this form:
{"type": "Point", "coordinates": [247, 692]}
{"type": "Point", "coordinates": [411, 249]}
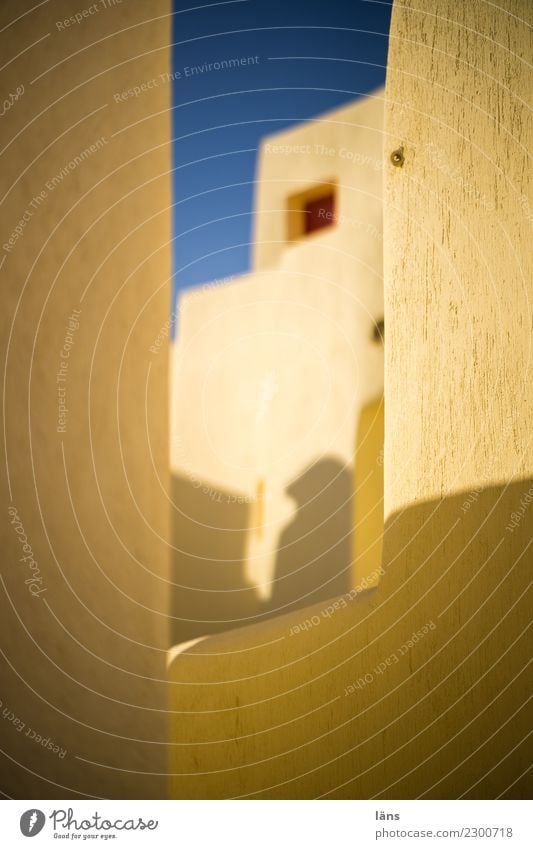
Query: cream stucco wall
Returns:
{"type": "Point", "coordinates": [85, 288]}
{"type": "Point", "coordinates": [344, 145]}
{"type": "Point", "coordinates": [270, 374]}
{"type": "Point", "coordinates": [418, 688]}
{"type": "Point", "coordinates": [468, 269]}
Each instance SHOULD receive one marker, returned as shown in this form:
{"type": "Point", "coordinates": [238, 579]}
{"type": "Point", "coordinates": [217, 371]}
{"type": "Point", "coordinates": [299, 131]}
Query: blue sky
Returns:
{"type": "Point", "coordinates": [312, 56]}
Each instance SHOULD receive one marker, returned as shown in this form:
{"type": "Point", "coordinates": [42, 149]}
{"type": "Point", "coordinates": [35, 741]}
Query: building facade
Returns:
{"type": "Point", "coordinates": [271, 374]}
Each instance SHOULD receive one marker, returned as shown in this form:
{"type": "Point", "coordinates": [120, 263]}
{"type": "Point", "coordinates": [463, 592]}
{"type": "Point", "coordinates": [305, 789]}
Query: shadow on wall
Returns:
{"type": "Point", "coordinates": [209, 593]}
{"type": "Point", "coordinates": [433, 663]}
{"type": "Point", "coordinates": [313, 561]}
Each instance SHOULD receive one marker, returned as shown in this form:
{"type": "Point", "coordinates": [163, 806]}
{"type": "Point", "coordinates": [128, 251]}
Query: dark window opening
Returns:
{"type": "Point", "coordinates": [312, 210]}
{"type": "Point", "coordinates": [319, 213]}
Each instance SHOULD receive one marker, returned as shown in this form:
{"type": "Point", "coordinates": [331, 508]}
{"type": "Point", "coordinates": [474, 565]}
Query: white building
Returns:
{"type": "Point", "coordinates": [270, 375]}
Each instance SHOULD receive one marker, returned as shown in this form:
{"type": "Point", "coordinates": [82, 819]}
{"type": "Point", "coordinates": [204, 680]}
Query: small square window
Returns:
{"type": "Point", "coordinates": [311, 211]}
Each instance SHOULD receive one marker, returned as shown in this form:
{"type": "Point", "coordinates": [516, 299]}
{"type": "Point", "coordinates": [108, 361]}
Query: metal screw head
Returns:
{"type": "Point", "coordinates": [397, 158]}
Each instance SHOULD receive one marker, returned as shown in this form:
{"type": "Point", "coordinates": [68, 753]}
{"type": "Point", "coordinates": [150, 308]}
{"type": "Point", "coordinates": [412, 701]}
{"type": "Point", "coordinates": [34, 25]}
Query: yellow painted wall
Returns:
{"type": "Point", "coordinates": [461, 299]}
{"type": "Point", "coordinates": [368, 496]}
{"type": "Point", "coordinates": [85, 292]}
{"type": "Point", "coordinates": [417, 688]}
